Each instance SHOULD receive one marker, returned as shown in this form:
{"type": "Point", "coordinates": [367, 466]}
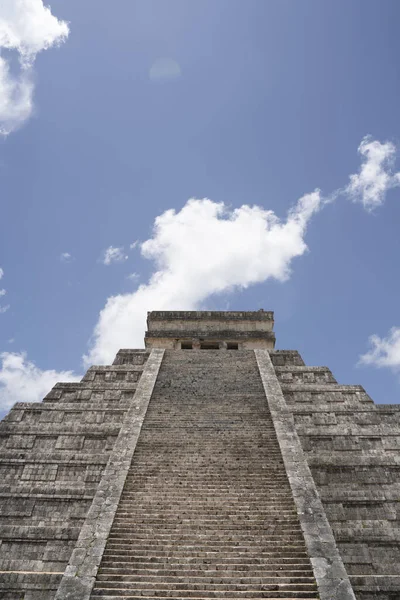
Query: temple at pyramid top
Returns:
{"type": "Point", "coordinates": [210, 330]}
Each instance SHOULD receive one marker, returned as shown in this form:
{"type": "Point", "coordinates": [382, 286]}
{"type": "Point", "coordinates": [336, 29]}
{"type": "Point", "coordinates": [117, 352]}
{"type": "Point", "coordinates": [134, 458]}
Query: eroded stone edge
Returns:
{"type": "Point", "coordinates": [329, 571]}
{"type": "Point", "coordinates": [80, 574]}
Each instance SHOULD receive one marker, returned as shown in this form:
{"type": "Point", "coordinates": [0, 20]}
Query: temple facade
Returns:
{"type": "Point", "coordinates": [206, 465]}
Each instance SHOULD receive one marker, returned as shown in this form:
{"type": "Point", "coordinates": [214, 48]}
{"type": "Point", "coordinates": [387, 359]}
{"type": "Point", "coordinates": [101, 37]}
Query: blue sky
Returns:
{"type": "Point", "coordinates": [141, 105]}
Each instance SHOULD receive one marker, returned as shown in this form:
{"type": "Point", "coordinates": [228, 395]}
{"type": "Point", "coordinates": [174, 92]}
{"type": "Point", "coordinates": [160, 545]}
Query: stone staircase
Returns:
{"type": "Point", "coordinates": [206, 510]}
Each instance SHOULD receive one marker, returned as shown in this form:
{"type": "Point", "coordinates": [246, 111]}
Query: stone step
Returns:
{"type": "Point", "coordinates": [266, 534]}
{"type": "Point", "coordinates": [275, 594]}
{"type": "Point", "coordinates": [180, 526]}
{"type": "Point", "coordinates": [142, 499]}
{"type": "Point", "coordinates": [121, 568]}
{"type": "Point", "coordinates": [272, 584]}
{"type": "Point", "coordinates": [197, 494]}
{"type": "Point", "coordinates": [277, 518]}
{"type": "Point", "coordinates": [181, 523]}
{"type": "Point", "coordinates": [228, 530]}
{"type": "Point", "coordinates": [188, 502]}
{"type": "Point", "coordinates": [269, 525]}
{"type": "Point", "coordinates": [134, 546]}
{"type": "Point", "coordinates": [184, 563]}
{"type": "Point", "coordinates": [134, 578]}
{"type": "Point", "coordinates": [229, 477]}
{"type": "Point", "coordinates": [145, 555]}
{"type": "Point", "coordinates": [273, 510]}
{"type": "Point", "coordinates": [193, 542]}
{"type": "Point", "coordinates": [270, 518]}
{"type": "Point", "coordinates": [272, 596]}
{"type": "Point", "coordinates": [217, 496]}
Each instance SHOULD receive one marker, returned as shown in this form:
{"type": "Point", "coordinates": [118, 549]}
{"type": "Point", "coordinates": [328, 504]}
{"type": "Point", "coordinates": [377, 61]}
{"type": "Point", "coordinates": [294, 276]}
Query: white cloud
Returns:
{"type": "Point", "coordinates": [29, 27]}
{"type": "Point", "coordinates": [66, 257]}
{"type": "Point", "coordinates": [384, 352]}
{"type": "Point", "coordinates": [11, 341]}
{"type": "Point", "coordinates": [164, 69]}
{"type": "Point", "coordinates": [3, 292]}
{"type": "Point", "coordinates": [203, 249]}
{"type": "Point", "coordinates": [26, 27]}
{"type": "Point", "coordinates": [112, 255]}
{"type": "Point", "coordinates": [15, 98]}
{"type": "Point", "coordinates": [134, 244]}
{"type": "Point", "coordinates": [22, 381]}
{"type": "Point", "coordinates": [133, 276]}
{"type": "Point", "coordinates": [375, 177]}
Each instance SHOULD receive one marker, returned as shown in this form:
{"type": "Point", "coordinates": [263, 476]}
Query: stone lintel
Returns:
{"type": "Point", "coordinates": [329, 571]}
{"type": "Point", "coordinates": [214, 334]}
{"type": "Point", "coordinates": [196, 315]}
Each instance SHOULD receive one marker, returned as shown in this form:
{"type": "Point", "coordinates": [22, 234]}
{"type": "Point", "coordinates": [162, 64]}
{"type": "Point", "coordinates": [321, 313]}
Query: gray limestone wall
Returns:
{"type": "Point", "coordinates": [329, 572]}
{"type": "Point", "coordinates": [52, 456]}
{"type": "Point", "coordinates": [352, 447]}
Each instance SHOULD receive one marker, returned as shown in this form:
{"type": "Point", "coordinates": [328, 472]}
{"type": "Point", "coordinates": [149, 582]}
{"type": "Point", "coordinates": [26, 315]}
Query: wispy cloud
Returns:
{"type": "Point", "coordinates": [3, 292]}
{"type": "Point", "coordinates": [3, 308]}
{"type": "Point", "coordinates": [164, 69]}
{"type": "Point", "coordinates": [22, 381]}
{"type": "Point", "coordinates": [133, 276]}
{"type": "Point", "coordinates": [203, 249]}
{"type": "Point", "coordinates": [134, 244]}
{"type": "Point", "coordinates": [375, 177]}
{"type": "Point", "coordinates": [26, 28]}
{"type": "Point", "coordinates": [112, 255]}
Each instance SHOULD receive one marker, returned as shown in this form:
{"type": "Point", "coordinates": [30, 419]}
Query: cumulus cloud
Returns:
{"type": "Point", "coordinates": [26, 28]}
{"type": "Point", "coordinates": [112, 255]}
{"type": "Point", "coordinates": [384, 352]}
{"type": "Point", "coordinates": [2, 292]}
{"type": "Point", "coordinates": [203, 249]}
{"type": "Point", "coordinates": [66, 257]}
{"type": "Point", "coordinates": [375, 177]}
{"type": "Point", "coordinates": [22, 381]}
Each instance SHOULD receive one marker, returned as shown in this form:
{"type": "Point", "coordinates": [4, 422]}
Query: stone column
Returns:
{"type": "Point", "coordinates": [329, 571]}
{"type": "Point", "coordinates": [79, 576]}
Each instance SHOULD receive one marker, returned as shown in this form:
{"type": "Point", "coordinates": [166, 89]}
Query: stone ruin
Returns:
{"type": "Point", "coordinates": [207, 465]}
